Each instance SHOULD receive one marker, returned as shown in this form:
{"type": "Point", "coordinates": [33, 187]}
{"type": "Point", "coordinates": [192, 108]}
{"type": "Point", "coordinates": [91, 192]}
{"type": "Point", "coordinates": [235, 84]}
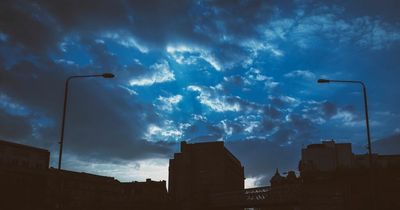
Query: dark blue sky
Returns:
{"type": "Point", "coordinates": [243, 72]}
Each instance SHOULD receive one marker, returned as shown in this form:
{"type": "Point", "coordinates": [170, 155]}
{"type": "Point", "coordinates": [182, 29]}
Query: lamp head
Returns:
{"type": "Point", "coordinates": [108, 75]}
{"type": "Point", "coordinates": [323, 81]}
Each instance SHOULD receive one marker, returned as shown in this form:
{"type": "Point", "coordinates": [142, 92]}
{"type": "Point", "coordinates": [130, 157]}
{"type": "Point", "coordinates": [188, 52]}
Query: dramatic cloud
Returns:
{"type": "Point", "coordinates": [126, 41]}
{"type": "Point", "coordinates": [168, 103]}
{"type": "Point", "coordinates": [305, 30]}
{"type": "Point", "coordinates": [214, 102]}
{"type": "Point", "coordinates": [183, 54]}
{"type": "Point", "coordinates": [159, 73]}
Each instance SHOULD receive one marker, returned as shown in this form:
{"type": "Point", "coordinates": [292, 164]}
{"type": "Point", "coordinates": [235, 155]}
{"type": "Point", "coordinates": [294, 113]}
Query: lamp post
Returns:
{"type": "Point", "coordinates": [367, 125]}
{"type": "Point", "coordinates": [105, 75]}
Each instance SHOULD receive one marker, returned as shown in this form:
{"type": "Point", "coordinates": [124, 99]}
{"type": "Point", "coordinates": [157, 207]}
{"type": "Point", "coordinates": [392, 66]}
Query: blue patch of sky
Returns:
{"type": "Point", "coordinates": [131, 55]}
{"type": "Point", "coordinates": [75, 52]}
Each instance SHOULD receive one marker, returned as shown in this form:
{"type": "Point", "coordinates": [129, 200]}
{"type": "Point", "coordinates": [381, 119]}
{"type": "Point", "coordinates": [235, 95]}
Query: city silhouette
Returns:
{"type": "Point", "coordinates": [205, 176]}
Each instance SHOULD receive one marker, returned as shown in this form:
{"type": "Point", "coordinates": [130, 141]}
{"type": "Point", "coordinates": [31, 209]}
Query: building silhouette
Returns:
{"type": "Point", "coordinates": [325, 157]}
{"type": "Point", "coordinates": [205, 176]}
{"type": "Point", "coordinates": [201, 169]}
{"type": "Point", "coordinates": [23, 176]}
{"type": "Point", "coordinates": [27, 182]}
{"type": "Point", "coordinates": [330, 156]}
{"type": "Point", "coordinates": [146, 195]}
{"type": "Point", "coordinates": [13, 155]}
{"type": "Point", "coordinates": [334, 178]}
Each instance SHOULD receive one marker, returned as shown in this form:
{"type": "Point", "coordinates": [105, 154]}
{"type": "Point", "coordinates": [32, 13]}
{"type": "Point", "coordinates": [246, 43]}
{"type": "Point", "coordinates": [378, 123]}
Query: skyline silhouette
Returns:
{"type": "Point", "coordinates": [205, 175]}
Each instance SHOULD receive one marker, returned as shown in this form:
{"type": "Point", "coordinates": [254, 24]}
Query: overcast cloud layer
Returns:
{"type": "Point", "coordinates": [243, 72]}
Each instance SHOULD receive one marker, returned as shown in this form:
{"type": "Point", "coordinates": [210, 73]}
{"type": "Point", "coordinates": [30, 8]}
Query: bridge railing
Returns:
{"type": "Point", "coordinates": [246, 197]}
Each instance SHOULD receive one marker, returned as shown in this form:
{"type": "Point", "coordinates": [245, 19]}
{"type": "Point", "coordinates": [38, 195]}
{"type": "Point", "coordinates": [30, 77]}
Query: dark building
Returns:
{"type": "Point", "coordinates": [13, 155]}
{"type": "Point", "coordinates": [329, 157]}
{"type": "Point", "coordinates": [325, 157]}
{"type": "Point", "coordinates": [27, 182]}
{"type": "Point", "coordinates": [201, 169]}
{"type": "Point", "coordinates": [83, 191]}
{"type": "Point", "coordinates": [78, 190]}
{"type": "Point", "coordinates": [23, 172]}
{"type": "Point", "coordinates": [146, 195]}
{"type": "Point", "coordinates": [334, 178]}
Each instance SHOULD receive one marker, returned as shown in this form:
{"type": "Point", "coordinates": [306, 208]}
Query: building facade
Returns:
{"type": "Point", "coordinates": [332, 177]}
{"type": "Point", "coordinates": [23, 172]}
{"type": "Point", "coordinates": [13, 155]}
{"type": "Point", "coordinates": [325, 157]}
{"type": "Point", "coordinates": [201, 169]}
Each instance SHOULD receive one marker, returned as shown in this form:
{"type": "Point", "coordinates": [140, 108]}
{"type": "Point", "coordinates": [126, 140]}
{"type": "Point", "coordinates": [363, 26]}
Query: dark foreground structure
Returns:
{"type": "Point", "coordinates": [27, 182]}
{"type": "Point", "coordinates": [201, 170]}
{"type": "Point", "coordinates": [205, 176]}
{"type": "Point", "coordinates": [208, 176]}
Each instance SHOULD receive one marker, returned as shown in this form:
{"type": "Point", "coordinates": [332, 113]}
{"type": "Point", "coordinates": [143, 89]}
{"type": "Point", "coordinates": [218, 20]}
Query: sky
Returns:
{"type": "Point", "coordinates": [239, 71]}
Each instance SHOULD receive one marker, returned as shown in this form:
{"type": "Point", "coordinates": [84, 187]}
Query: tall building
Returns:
{"type": "Point", "coordinates": [325, 157]}
{"type": "Point", "coordinates": [201, 169]}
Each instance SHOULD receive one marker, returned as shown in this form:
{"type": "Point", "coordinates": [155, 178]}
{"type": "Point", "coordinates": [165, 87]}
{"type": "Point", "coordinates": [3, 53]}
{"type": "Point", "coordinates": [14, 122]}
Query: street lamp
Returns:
{"type": "Point", "coordinates": [365, 109]}
{"type": "Point", "coordinates": [105, 75]}
{"type": "Point", "coordinates": [366, 123]}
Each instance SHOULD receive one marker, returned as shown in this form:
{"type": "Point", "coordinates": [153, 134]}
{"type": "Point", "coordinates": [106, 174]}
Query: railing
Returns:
{"type": "Point", "coordinates": [251, 197]}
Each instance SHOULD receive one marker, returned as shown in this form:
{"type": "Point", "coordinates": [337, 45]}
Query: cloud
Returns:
{"type": "Point", "coordinates": [113, 122]}
{"type": "Point", "coordinates": [14, 127]}
{"type": "Point", "coordinates": [97, 123]}
{"type": "Point", "coordinates": [236, 80]}
{"type": "Point", "coordinates": [254, 75]}
{"type": "Point", "coordinates": [284, 101]}
{"type": "Point", "coordinates": [213, 99]}
{"type": "Point", "coordinates": [165, 131]}
{"type": "Point", "coordinates": [12, 107]}
{"type": "Point", "coordinates": [306, 28]}
{"type": "Point", "coordinates": [261, 158]}
{"type": "Point", "coordinates": [185, 54]}
{"type": "Point", "coordinates": [387, 145]}
{"type": "Point", "coordinates": [168, 103]}
{"type": "Point", "coordinates": [159, 73]}
{"type": "Point", "coordinates": [255, 181]}
{"type": "Point", "coordinates": [304, 74]}
{"type": "Point", "coordinates": [215, 103]}
{"type": "Point", "coordinates": [329, 109]}
{"type": "Point", "coordinates": [199, 117]}
{"type": "Point", "coordinates": [28, 26]}
{"type": "Point", "coordinates": [125, 40]}
{"type": "Point", "coordinates": [256, 47]}
{"type": "Point", "coordinates": [348, 117]}
{"type": "Point", "coordinates": [99, 53]}
{"type": "Point", "coordinates": [124, 171]}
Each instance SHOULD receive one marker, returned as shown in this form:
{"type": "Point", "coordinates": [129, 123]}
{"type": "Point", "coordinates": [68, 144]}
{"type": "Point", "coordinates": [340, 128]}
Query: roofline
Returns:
{"type": "Point", "coordinates": [23, 146]}
{"type": "Point", "coordinates": [80, 173]}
